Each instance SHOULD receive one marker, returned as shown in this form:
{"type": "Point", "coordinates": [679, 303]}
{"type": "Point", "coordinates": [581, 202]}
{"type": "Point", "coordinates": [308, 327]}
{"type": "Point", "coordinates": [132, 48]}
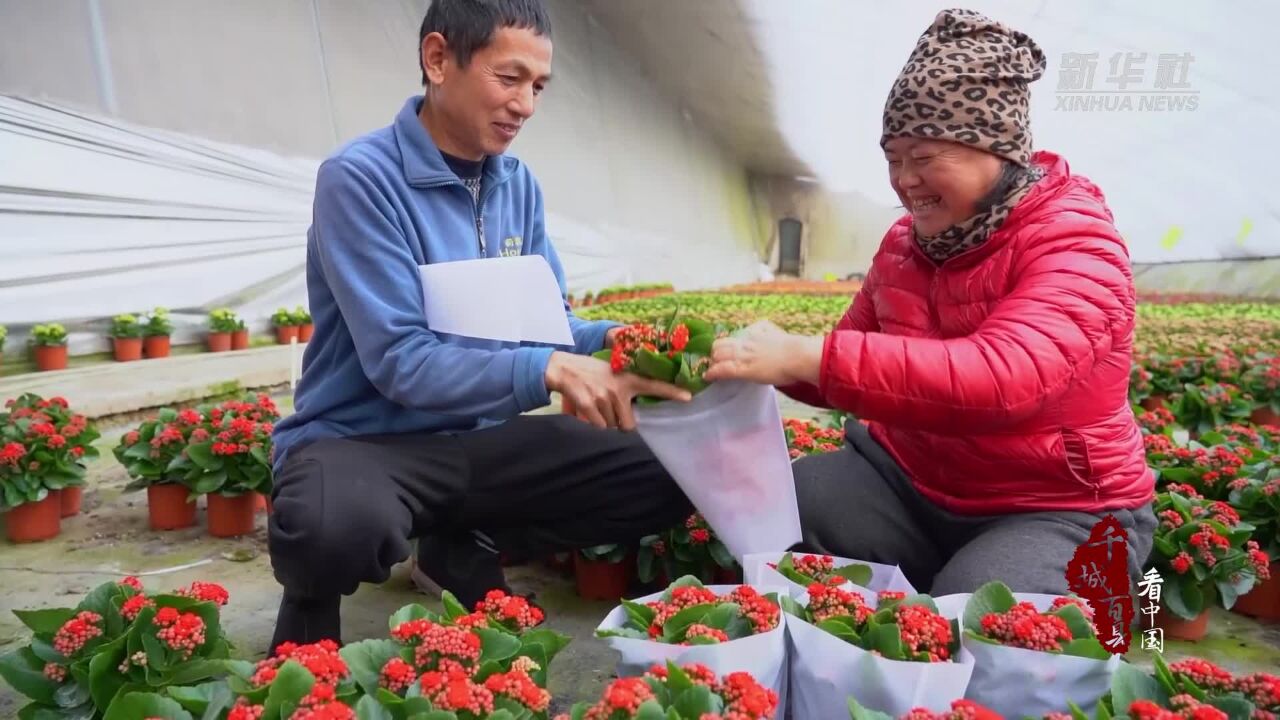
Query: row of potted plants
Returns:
{"type": "Point", "coordinates": [44, 450]}
{"type": "Point", "coordinates": [616, 293]}
{"type": "Point", "coordinates": [219, 451]}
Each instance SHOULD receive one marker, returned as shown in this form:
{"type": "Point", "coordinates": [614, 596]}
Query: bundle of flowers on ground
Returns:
{"type": "Point", "coordinates": [691, 548]}
{"type": "Point", "coordinates": [44, 449]}
{"type": "Point", "coordinates": [675, 350]}
{"type": "Point", "coordinates": [1204, 551]}
{"type": "Point", "coordinates": [959, 710]}
{"type": "Point", "coordinates": [798, 572]}
{"type": "Point", "coordinates": [727, 628]}
{"type": "Point", "coordinates": [893, 656]}
{"type": "Point", "coordinates": [117, 641]}
{"type": "Point", "coordinates": [681, 692]}
{"type": "Point", "coordinates": [1032, 653]}
{"type": "Point", "coordinates": [1192, 688]}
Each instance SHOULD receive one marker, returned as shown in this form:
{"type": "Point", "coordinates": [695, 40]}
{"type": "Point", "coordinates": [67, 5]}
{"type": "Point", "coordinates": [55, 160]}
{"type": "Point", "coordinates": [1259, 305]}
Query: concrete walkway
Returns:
{"type": "Point", "coordinates": [114, 388]}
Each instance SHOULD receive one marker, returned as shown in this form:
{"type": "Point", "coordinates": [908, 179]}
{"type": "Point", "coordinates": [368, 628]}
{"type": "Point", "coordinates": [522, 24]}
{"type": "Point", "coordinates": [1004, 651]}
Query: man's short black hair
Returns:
{"type": "Point", "coordinates": [468, 25]}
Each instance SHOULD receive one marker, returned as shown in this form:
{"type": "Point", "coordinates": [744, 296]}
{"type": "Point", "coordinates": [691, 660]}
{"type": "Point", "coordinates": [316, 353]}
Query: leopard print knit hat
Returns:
{"type": "Point", "coordinates": [966, 81]}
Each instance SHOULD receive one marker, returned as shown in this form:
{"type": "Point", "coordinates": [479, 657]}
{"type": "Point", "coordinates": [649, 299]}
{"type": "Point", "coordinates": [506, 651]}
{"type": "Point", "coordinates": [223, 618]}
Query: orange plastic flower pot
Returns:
{"type": "Point", "coordinates": [286, 334]}
{"type": "Point", "coordinates": [1176, 627]}
{"type": "Point", "coordinates": [1265, 416]}
{"type": "Point", "coordinates": [127, 349]}
{"type": "Point", "coordinates": [167, 507]}
{"type": "Point", "coordinates": [240, 340]}
{"type": "Point", "coordinates": [305, 332]}
{"type": "Point", "coordinates": [32, 522]}
{"type": "Point", "coordinates": [598, 580]}
{"type": "Point", "coordinates": [71, 496]}
{"type": "Point", "coordinates": [51, 357]}
{"type": "Point", "coordinates": [1263, 601]}
{"type": "Point", "coordinates": [231, 516]}
{"type": "Point", "coordinates": [219, 342]}
{"type": "Point", "coordinates": [156, 346]}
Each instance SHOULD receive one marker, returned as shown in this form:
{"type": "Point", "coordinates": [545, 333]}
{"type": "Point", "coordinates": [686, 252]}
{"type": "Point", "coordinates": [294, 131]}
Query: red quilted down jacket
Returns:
{"type": "Point", "coordinates": [999, 380]}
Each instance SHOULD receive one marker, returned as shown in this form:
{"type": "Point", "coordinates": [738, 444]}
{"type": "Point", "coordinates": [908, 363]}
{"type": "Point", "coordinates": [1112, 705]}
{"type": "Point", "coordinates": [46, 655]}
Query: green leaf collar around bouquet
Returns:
{"type": "Point", "coordinates": [675, 350]}
{"type": "Point", "coordinates": [898, 627]}
{"type": "Point", "coordinates": [993, 615]}
{"type": "Point", "coordinates": [689, 613]}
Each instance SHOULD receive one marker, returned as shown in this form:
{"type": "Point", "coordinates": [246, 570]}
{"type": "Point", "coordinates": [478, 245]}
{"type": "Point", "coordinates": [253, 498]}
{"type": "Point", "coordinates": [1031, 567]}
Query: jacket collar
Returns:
{"type": "Point", "coordinates": [423, 164]}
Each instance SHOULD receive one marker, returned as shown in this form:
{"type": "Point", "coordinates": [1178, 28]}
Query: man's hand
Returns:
{"type": "Point", "coordinates": [609, 337]}
{"type": "Point", "coordinates": [598, 395]}
{"type": "Point", "coordinates": [765, 353]}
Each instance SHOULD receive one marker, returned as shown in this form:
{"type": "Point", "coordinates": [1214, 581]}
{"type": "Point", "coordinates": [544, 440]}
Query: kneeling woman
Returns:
{"type": "Point", "coordinates": [989, 347]}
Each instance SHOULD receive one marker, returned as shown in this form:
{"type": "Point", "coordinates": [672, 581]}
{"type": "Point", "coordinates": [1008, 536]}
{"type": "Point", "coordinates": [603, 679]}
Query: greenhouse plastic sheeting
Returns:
{"type": "Point", "coordinates": [99, 217]}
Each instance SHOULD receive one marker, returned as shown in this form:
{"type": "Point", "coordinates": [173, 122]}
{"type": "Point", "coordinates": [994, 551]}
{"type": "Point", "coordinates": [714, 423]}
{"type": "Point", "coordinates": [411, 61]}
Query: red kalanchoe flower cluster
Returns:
{"type": "Point", "coordinates": [1182, 563]}
{"type": "Point", "coordinates": [1260, 560]}
{"type": "Point", "coordinates": [55, 672]}
{"type": "Point", "coordinates": [245, 710]}
{"type": "Point", "coordinates": [321, 659]}
{"type": "Point", "coordinates": [960, 710]}
{"type": "Point", "coordinates": [924, 632]}
{"type": "Point", "coordinates": [762, 612]}
{"type": "Point", "coordinates": [624, 695]}
{"type": "Point", "coordinates": [521, 688]}
{"type": "Point", "coordinates": [1204, 674]}
{"type": "Point", "coordinates": [1206, 540]}
{"type": "Point", "coordinates": [1263, 689]}
{"type": "Point", "coordinates": [746, 699]}
{"type": "Point", "coordinates": [826, 602]}
{"type": "Point", "coordinates": [181, 632]}
{"type": "Point", "coordinates": [397, 675]}
{"type": "Point", "coordinates": [131, 582]}
{"type": "Point", "coordinates": [134, 605]}
{"type": "Point", "coordinates": [76, 632]}
{"type": "Point", "coordinates": [453, 689]}
{"type": "Point", "coordinates": [513, 611]}
{"type": "Point", "coordinates": [434, 644]}
{"type": "Point", "coordinates": [1171, 519]}
{"type": "Point", "coordinates": [700, 630]}
{"type": "Point", "coordinates": [699, 674]}
{"type": "Point", "coordinates": [12, 454]}
{"type": "Point", "coordinates": [1156, 421]}
{"type": "Point", "coordinates": [1025, 627]}
{"type": "Point", "coordinates": [681, 598]}
{"type": "Point", "coordinates": [205, 591]}
{"type": "Point", "coordinates": [322, 704]}
{"type": "Point", "coordinates": [805, 437]}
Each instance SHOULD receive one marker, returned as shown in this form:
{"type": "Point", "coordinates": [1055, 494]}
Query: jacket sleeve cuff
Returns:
{"type": "Point", "coordinates": [529, 377]}
{"type": "Point", "coordinates": [825, 369]}
{"type": "Point", "coordinates": [589, 336]}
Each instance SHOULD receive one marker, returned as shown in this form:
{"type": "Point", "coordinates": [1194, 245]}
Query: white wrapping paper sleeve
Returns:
{"type": "Point", "coordinates": [1017, 682]}
{"type": "Point", "coordinates": [727, 452]}
{"type": "Point", "coordinates": [756, 570]}
{"type": "Point", "coordinates": [763, 655]}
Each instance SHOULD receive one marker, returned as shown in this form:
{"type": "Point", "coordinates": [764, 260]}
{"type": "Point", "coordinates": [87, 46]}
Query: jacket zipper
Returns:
{"type": "Point", "coordinates": [477, 211]}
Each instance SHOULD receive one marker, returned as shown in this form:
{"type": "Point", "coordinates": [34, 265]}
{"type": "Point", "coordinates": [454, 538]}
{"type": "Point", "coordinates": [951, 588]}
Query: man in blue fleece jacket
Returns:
{"type": "Point", "coordinates": [402, 433]}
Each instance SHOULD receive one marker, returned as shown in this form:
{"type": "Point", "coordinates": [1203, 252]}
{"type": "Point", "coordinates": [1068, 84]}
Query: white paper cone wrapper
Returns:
{"type": "Point", "coordinates": [1017, 682]}
{"type": "Point", "coordinates": [826, 671]}
{"type": "Point", "coordinates": [763, 655]}
{"type": "Point", "coordinates": [756, 570]}
{"type": "Point", "coordinates": [727, 451]}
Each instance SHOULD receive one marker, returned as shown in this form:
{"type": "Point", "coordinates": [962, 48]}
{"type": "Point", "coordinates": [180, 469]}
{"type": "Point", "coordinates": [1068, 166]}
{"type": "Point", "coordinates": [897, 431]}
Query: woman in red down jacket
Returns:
{"type": "Point", "coordinates": [989, 347]}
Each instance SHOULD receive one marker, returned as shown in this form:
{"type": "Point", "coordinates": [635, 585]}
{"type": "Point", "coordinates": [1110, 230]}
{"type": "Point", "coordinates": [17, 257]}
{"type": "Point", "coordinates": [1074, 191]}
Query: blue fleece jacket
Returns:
{"type": "Point", "coordinates": [384, 204]}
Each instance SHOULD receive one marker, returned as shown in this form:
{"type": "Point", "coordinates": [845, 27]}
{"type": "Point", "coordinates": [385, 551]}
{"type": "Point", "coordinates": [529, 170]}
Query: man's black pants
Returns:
{"type": "Point", "coordinates": [345, 510]}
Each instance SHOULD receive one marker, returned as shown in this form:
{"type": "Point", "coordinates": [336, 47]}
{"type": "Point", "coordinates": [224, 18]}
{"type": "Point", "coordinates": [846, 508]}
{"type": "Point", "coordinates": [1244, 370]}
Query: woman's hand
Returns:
{"type": "Point", "coordinates": [765, 353]}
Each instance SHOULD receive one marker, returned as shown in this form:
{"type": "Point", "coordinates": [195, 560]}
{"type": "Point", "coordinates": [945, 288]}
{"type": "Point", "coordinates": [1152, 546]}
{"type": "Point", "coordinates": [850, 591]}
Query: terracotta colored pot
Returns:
{"type": "Point", "coordinates": [167, 507]}
{"type": "Point", "coordinates": [1263, 601]}
{"type": "Point", "coordinates": [240, 339]}
{"type": "Point", "coordinates": [127, 349]}
{"type": "Point", "coordinates": [262, 503]}
{"type": "Point", "coordinates": [1264, 416]}
{"type": "Point", "coordinates": [219, 341]}
{"type": "Point", "coordinates": [601, 580]}
{"type": "Point", "coordinates": [1155, 401]}
{"type": "Point", "coordinates": [1176, 627]}
{"type": "Point", "coordinates": [231, 516]}
{"type": "Point", "coordinates": [71, 497]}
{"type": "Point", "coordinates": [305, 332]}
{"type": "Point", "coordinates": [156, 346]}
{"type": "Point", "coordinates": [32, 522]}
{"type": "Point", "coordinates": [51, 357]}
{"type": "Point", "coordinates": [286, 334]}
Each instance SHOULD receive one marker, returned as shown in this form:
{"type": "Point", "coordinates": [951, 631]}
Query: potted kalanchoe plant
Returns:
{"type": "Point", "coordinates": [50, 346]}
{"type": "Point", "coordinates": [690, 548]}
{"type": "Point", "coordinates": [1193, 688]}
{"type": "Point", "coordinates": [1258, 498]}
{"type": "Point", "coordinates": [43, 451]}
{"type": "Point", "coordinates": [118, 642]}
{"type": "Point", "coordinates": [126, 338]}
{"type": "Point", "coordinates": [286, 326]}
{"type": "Point", "coordinates": [1262, 381]}
{"type": "Point", "coordinates": [148, 451]}
{"type": "Point", "coordinates": [232, 465]}
{"type": "Point", "coordinates": [602, 572]}
{"type": "Point", "coordinates": [1205, 553]}
{"type": "Point", "coordinates": [302, 319]}
{"type": "Point", "coordinates": [157, 332]}
{"type": "Point", "coordinates": [223, 323]}
{"type": "Point", "coordinates": [1203, 407]}
{"type": "Point", "coordinates": [681, 692]}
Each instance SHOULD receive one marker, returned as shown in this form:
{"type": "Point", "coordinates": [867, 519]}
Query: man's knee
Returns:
{"type": "Point", "coordinates": [326, 536]}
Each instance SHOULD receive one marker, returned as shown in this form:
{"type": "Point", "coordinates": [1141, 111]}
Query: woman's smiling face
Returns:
{"type": "Point", "coordinates": [939, 182]}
